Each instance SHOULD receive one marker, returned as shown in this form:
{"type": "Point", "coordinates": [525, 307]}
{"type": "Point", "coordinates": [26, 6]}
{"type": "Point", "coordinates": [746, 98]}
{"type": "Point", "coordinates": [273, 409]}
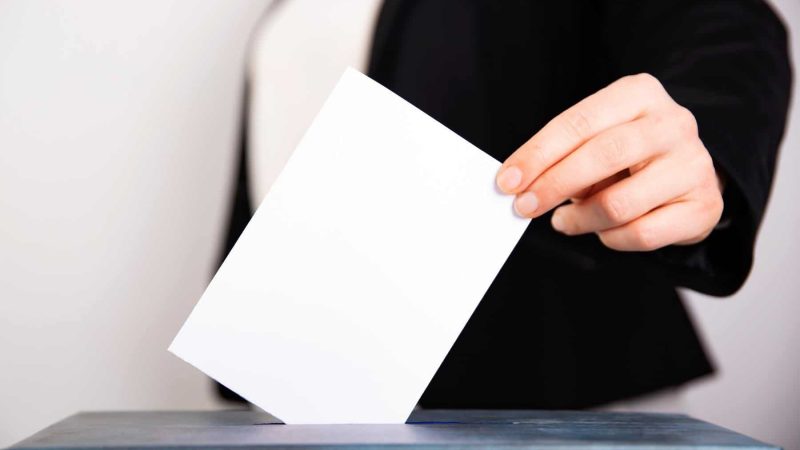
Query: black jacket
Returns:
{"type": "Point", "coordinates": [569, 323]}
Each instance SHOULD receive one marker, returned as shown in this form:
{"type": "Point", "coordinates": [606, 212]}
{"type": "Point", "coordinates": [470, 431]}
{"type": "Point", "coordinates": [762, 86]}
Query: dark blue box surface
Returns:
{"type": "Point", "coordinates": [426, 429]}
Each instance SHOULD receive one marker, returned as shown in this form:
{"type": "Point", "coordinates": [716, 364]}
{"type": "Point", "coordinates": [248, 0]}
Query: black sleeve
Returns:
{"type": "Point", "coordinates": [727, 62]}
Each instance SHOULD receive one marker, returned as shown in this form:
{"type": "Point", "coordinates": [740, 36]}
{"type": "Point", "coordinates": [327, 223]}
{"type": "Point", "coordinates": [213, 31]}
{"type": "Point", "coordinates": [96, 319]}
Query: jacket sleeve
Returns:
{"type": "Point", "coordinates": [727, 62]}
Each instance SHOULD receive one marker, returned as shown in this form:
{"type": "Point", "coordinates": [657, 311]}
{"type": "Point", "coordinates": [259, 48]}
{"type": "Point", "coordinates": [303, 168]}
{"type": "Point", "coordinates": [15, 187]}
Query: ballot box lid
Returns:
{"type": "Point", "coordinates": [426, 429]}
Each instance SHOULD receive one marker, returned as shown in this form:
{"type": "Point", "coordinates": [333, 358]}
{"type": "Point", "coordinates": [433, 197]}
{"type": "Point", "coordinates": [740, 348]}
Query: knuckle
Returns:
{"type": "Point", "coordinates": [708, 213]}
{"type": "Point", "coordinates": [649, 82]}
{"type": "Point", "coordinates": [552, 182]}
{"type": "Point", "coordinates": [714, 202]}
{"type": "Point", "coordinates": [577, 125]}
{"type": "Point", "coordinates": [704, 167]}
{"type": "Point", "coordinates": [658, 135]}
{"type": "Point", "coordinates": [686, 123]}
{"type": "Point", "coordinates": [644, 237]}
{"type": "Point", "coordinates": [614, 152]}
{"type": "Point", "coordinates": [538, 157]}
{"type": "Point", "coordinates": [613, 207]}
{"type": "Point", "coordinates": [646, 82]}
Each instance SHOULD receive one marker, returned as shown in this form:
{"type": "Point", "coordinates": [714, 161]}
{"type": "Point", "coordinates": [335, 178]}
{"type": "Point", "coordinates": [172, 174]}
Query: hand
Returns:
{"type": "Point", "coordinates": [630, 160]}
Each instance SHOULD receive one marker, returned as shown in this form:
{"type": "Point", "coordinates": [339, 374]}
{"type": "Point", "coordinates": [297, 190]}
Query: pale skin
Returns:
{"type": "Point", "coordinates": [630, 161]}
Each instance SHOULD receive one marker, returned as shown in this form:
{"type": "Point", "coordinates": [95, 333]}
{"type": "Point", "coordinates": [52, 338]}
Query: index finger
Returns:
{"type": "Point", "coordinates": [622, 101]}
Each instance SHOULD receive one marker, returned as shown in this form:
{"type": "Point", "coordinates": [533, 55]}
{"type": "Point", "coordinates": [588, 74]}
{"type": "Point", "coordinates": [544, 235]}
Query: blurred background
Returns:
{"type": "Point", "coordinates": [119, 124]}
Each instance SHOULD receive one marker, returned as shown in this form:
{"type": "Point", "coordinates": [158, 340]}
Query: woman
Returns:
{"type": "Point", "coordinates": [641, 136]}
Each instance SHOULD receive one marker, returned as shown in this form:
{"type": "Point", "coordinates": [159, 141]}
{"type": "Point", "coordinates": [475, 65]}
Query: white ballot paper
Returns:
{"type": "Point", "coordinates": [359, 269]}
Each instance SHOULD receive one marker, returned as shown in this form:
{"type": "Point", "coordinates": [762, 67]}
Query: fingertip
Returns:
{"type": "Point", "coordinates": [526, 204]}
{"type": "Point", "coordinates": [509, 178]}
{"type": "Point", "coordinates": [558, 222]}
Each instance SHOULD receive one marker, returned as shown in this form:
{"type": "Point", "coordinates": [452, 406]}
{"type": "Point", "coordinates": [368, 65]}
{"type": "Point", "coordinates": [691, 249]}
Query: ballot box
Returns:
{"type": "Point", "coordinates": [425, 429]}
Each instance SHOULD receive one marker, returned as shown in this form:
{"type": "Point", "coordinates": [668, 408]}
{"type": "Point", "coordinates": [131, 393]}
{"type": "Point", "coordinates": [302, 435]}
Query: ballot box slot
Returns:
{"type": "Point", "coordinates": [433, 422]}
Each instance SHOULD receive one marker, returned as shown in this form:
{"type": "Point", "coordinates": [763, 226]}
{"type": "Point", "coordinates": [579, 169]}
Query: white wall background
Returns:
{"type": "Point", "coordinates": [754, 336]}
{"type": "Point", "coordinates": [118, 124]}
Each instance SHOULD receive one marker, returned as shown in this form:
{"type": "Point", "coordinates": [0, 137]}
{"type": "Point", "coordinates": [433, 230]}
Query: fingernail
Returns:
{"type": "Point", "coordinates": [509, 178]}
{"type": "Point", "coordinates": [526, 204]}
{"type": "Point", "coordinates": [557, 221]}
